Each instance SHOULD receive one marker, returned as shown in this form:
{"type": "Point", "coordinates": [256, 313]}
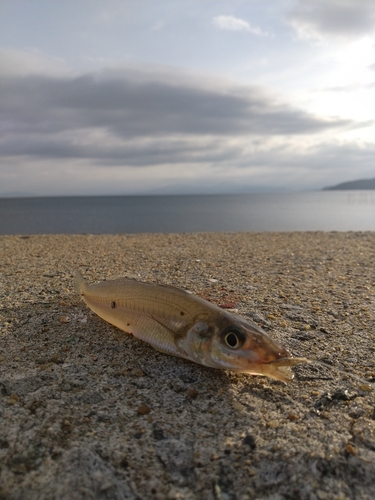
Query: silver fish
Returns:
{"type": "Point", "coordinates": [181, 324]}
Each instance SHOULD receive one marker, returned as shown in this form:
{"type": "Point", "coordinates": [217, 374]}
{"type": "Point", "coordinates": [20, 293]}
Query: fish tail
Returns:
{"type": "Point", "coordinates": [80, 283]}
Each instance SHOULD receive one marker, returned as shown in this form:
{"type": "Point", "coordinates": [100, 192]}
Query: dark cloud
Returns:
{"type": "Point", "coordinates": [133, 153]}
{"type": "Point", "coordinates": [144, 122]}
{"type": "Point", "coordinates": [335, 17]}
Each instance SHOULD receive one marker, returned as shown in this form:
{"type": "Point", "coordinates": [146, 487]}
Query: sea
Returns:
{"type": "Point", "coordinates": [297, 211]}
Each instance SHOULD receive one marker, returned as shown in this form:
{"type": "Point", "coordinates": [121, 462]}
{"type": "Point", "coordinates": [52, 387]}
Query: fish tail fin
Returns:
{"type": "Point", "coordinates": [80, 283]}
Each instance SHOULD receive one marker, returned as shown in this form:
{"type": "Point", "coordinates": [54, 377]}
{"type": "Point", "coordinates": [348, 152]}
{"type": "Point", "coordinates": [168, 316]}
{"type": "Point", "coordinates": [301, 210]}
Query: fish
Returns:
{"type": "Point", "coordinates": [178, 323]}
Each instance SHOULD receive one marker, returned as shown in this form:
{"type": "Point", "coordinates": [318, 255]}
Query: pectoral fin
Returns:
{"type": "Point", "coordinates": [150, 329]}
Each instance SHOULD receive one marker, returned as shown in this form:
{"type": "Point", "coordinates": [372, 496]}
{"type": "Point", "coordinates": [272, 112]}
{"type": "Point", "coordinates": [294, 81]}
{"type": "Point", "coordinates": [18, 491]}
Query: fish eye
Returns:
{"type": "Point", "coordinates": [233, 338]}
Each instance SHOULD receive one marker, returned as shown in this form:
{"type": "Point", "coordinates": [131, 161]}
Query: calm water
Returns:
{"type": "Point", "coordinates": [311, 211]}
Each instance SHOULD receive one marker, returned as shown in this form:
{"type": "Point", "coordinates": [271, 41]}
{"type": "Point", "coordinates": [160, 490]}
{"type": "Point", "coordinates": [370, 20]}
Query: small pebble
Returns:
{"type": "Point", "coordinates": [143, 410]}
{"type": "Point", "coordinates": [228, 305]}
{"type": "Point", "coordinates": [293, 417]}
{"type": "Point", "coordinates": [192, 393]}
{"type": "Point", "coordinates": [365, 388]}
{"type": "Point", "coordinates": [349, 448]}
{"type": "Point", "coordinates": [237, 405]}
{"type": "Point", "coordinates": [273, 424]}
{"type": "Point", "coordinates": [137, 372]}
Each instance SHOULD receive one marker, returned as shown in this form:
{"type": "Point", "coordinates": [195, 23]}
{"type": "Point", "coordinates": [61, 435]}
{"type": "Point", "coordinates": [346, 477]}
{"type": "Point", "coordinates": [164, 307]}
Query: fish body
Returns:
{"type": "Point", "coordinates": [178, 323]}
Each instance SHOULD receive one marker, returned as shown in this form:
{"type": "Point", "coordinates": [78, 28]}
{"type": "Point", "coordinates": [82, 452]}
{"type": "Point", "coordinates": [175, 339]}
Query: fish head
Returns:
{"type": "Point", "coordinates": [231, 343]}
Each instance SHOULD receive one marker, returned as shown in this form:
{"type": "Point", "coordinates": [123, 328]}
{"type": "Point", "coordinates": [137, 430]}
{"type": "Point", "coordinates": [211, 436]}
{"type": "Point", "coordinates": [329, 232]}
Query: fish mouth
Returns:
{"type": "Point", "coordinates": [279, 369]}
{"type": "Point", "coordinates": [287, 362]}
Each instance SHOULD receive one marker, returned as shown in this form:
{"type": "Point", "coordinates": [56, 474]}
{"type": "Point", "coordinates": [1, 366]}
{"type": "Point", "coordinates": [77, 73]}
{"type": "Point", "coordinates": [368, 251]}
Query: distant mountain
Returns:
{"type": "Point", "coordinates": [359, 184]}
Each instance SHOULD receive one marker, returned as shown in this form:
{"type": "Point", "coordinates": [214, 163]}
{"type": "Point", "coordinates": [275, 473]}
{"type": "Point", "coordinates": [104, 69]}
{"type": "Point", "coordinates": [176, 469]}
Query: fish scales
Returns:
{"type": "Point", "coordinates": [137, 310]}
{"type": "Point", "coordinates": [178, 323]}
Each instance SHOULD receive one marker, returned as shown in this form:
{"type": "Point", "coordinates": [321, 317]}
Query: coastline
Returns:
{"type": "Point", "coordinates": [73, 386]}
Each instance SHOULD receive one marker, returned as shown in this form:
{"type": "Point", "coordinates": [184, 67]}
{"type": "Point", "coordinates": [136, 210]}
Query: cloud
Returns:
{"type": "Point", "coordinates": [125, 120]}
{"type": "Point", "coordinates": [31, 62]}
{"type": "Point", "coordinates": [231, 23]}
{"type": "Point", "coordinates": [44, 110]}
{"type": "Point", "coordinates": [147, 129]}
{"type": "Point", "coordinates": [337, 18]}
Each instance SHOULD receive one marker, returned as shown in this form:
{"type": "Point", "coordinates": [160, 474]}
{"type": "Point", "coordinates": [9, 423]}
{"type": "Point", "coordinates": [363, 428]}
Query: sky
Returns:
{"type": "Point", "coordinates": [110, 97]}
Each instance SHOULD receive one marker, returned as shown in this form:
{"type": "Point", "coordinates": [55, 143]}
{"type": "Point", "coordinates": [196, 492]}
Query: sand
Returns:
{"type": "Point", "coordinates": [89, 412]}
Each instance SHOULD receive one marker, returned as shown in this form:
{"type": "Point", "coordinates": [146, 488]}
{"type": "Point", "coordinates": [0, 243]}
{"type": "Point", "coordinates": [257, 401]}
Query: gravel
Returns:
{"type": "Point", "coordinates": [89, 412]}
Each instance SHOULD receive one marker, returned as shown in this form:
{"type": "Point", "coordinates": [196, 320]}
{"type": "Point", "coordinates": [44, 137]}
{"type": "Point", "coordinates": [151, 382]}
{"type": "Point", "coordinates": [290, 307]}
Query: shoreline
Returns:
{"type": "Point", "coordinates": [73, 387]}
